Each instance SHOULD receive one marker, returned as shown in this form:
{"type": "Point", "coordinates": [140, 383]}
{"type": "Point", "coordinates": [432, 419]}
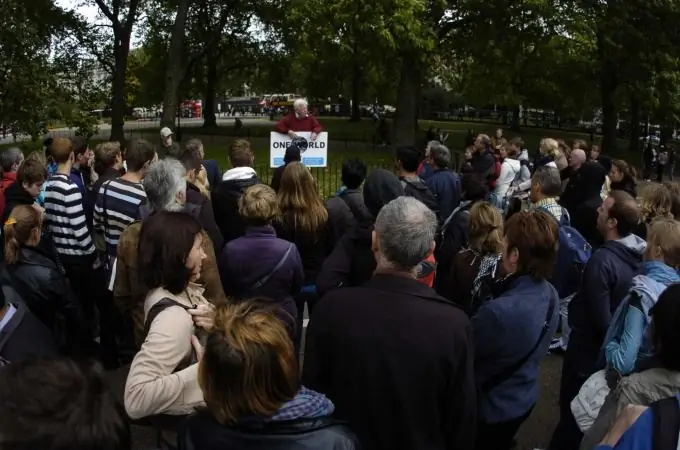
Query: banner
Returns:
{"type": "Point", "coordinates": [314, 155]}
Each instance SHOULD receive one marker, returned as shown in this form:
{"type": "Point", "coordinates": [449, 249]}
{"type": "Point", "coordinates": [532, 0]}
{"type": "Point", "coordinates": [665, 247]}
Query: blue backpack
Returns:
{"type": "Point", "coordinates": [572, 256]}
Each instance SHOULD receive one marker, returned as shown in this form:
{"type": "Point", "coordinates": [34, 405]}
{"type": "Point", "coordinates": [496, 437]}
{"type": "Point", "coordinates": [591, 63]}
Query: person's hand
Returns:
{"type": "Point", "coordinates": [198, 347]}
{"type": "Point", "coordinates": [203, 315]}
{"type": "Point", "coordinates": [313, 137]}
{"type": "Point", "coordinates": [292, 134]}
{"type": "Point", "coordinates": [626, 419]}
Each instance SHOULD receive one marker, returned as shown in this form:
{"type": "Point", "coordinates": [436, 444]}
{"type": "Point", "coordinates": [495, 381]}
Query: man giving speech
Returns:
{"type": "Point", "coordinates": [299, 120]}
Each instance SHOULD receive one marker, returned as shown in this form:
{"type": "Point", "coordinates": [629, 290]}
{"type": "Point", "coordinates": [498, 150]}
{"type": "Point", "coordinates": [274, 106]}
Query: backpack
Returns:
{"type": "Point", "coordinates": [665, 423]}
{"type": "Point", "coordinates": [440, 237]}
{"type": "Point", "coordinates": [425, 196]}
{"type": "Point", "coordinates": [572, 256]}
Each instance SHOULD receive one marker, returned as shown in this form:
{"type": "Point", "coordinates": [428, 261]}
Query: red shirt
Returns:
{"type": "Point", "coordinates": [7, 179]}
{"type": "Point", "coordinates": [292, 123]}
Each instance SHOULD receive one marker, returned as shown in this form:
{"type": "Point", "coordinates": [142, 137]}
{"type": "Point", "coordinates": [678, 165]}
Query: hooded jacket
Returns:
{"type": "Point", "coordinates": [302, 423]}
{"type": "Point", "coordinates": [15, 195]}
{"type": "Point", "coordinates": [417, 188]}
{"type": "Point", "coordinates": [345, 210]}
{"type": "Point", "coordinates": [627, 184]}
{"type": "Point", "coordinates": [510, 171]}
{"type": "Point", "coordinates": [607, 279]}
{"type": "Point", "coordinates": [351, 263]}
{"type": "Point", "coordinates": [628, 344]}
{"type": "Point", "coordinates": [225, 201]}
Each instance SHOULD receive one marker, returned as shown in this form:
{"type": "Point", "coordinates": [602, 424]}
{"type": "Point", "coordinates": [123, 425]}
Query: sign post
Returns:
{"type": "Point", "coordinates": [315, 155]}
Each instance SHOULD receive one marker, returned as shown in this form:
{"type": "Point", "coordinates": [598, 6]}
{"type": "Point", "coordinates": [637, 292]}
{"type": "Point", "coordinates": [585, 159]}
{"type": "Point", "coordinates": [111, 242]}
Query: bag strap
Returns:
{"type": "Point", "coordinates": [353, 207]}
{"type": "Point", "coordinates": [262, 281]}
{"type": "Point", "coordinates": [666, 424]}
{"type": "Point", "coordinates": [448, 220]}
{"type": "Point", "coordinates": [105, 216]}
{"type": "Point", "coordinates": [506, 373]}
{"type": "Point", "coordinates": [156, 309]}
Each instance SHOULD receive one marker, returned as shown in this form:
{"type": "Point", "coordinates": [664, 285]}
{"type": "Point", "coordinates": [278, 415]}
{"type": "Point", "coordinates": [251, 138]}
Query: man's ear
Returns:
{"type": "Point", "coordinates": [374, 242]}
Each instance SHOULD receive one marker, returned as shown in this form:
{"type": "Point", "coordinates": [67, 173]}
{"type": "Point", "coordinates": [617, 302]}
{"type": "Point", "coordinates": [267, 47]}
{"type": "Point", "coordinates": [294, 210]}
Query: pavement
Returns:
{"type": "Point", "coordinates": [105, 128]}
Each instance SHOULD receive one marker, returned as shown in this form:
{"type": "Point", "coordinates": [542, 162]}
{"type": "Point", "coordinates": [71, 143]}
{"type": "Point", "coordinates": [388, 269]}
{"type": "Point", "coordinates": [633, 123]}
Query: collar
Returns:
{"type": "Point", "coordinates": [11, 310]}
{"type": "Point", "coordinates": [549, 201]}
{"type": "Point", "coordinates": [191, 296]}
{"type": "Point", "coordinates": [404, 285]}
{"type": "Point", "coordinates": [239, 173]}
{"type": "Point", "coordinates": [265, 230]}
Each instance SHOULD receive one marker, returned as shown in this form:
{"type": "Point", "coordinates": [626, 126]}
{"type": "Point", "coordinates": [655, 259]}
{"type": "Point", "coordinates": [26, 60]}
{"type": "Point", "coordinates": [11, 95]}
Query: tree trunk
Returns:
{"type": "Point", "coordinates": [356, 88]}
{"type": "Point", "coordinates": [209, 118]}
{"type": "Point", "coordinates": [608, 85]}
{"type": "Point", "coordinates": [516, 110]}
{"type": "Point", "coordinates": [174, 71]}
{"type": "Point", "coordinates": [118, 90]}
{"type": "Point", "coordinates": [405, 122]}
{"type": "Point", "coordinates": [633, 143]}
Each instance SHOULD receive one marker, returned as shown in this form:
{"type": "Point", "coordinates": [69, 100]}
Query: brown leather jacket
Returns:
{"type": "Point", "coordinates": [130, 292]}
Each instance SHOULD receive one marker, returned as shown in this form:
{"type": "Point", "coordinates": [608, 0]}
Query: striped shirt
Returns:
{"type": "Point", "coordinates": [65, 217]}
{"type": "Point", "coordinates": [117, 206]}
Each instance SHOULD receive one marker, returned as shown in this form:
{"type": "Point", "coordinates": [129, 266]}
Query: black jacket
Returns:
{"type": "Point", "coordinates": [174, 151]}
{"type": "Point", "coordinates": [454, 238]}
{"type": "Point", "coordinates": [206, 216]}
{"type": "Point", "coordinates": [313, 247]}
{"type": "Point", "coordinates": [351, 263]}
{"type": "Point", "coordinates": [276, 177]}
{"type": "Point", "coordinates": [202, 432]}
{"type": "Point", "coordinates": [627, 184]}
{"type": "Point", "coordinates": [411, 383]}
{"type": "Point", "coordinates": [225, 206]}
{"type": "Point", "coordinates": [25, 337]}
{"type": "Point", "coordinates": [46, 291]}
{"type": "Point", "coordinates": [484, 164]}
{"type": "Point", "coordinates": [346, 210]}
{"type": "Point", "coordinates": [15, 195]}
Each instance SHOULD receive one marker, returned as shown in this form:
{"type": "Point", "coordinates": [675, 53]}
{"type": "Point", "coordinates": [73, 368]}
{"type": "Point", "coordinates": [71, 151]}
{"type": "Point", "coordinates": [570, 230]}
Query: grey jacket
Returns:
{"type": "Point", "coordinates": [642, 388]}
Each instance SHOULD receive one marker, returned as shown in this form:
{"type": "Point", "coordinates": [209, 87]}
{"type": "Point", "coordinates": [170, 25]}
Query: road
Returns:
{"type": "Point", "coordinates": [105, 128]}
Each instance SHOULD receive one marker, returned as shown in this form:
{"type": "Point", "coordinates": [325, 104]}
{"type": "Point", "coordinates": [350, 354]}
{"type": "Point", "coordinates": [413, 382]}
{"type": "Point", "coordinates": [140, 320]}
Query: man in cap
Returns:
{"type": "Point", "coordinates": [168, 147]}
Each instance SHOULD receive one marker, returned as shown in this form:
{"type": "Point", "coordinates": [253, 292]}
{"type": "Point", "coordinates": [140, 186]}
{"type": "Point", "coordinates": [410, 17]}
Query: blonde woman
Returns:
{"type": "Point", "coordinates": [304, 222]}
{"type": "Point", "coordinates": [260, 264]}
{"type": "Point", "coordinates": [657, 202]}
{"type": "Point", "coordinates": [551, 155]}
{"type": "Point", "coordinates": [480, 259]}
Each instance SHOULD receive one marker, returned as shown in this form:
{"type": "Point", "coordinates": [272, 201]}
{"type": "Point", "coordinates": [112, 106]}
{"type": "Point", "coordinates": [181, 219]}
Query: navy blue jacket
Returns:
{"type": "Point", "coordinates": [445, 185]}
{"type": "Point", "coordinates": [213, 172]}
{"type": "Point", "coordinates": [505, 330]}
{"type": "Point", "coordinates": [606, 281]}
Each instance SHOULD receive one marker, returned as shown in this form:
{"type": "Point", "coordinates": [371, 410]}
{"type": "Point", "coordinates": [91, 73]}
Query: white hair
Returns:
{"type": "Point", "coordinates": [405, 230]}
{"type": "Point", "coordinates": [300, 103]}
{"type": "Point", "coordinates": [162, 182]}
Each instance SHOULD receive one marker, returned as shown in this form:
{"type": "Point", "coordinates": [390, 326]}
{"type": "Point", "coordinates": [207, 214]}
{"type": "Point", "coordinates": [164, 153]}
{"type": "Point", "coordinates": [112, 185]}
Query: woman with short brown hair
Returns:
{"type": "Point", "coordinates": [249, 377]}
{"type": "Point", "coordinates": [513, 330]}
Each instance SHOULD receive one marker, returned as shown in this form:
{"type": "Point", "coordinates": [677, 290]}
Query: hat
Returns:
{"type": "Point", "coordinates": [165, 132]}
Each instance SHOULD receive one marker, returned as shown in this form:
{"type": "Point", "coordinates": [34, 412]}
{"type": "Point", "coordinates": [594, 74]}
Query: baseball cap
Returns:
{"type": "Point", "coordinates": [165, 132]}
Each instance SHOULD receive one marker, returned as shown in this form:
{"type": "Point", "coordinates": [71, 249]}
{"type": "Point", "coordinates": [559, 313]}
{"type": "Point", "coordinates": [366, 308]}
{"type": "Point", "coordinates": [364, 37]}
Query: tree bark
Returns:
{"type": "Point", "coordinates": [405, 123]}
{"type": "Point", "coordinates": [633, 143]}
{"type": "Point", "coordinates": [356, 88]}
{"type": "Point", "coordinates": [516, 124]}
{"type": "Point", "coordinates": [174, 71]}
{"type": "Point", "coordinates": [118, 89]}
{"type": "Point", "coordinates": [209, 118]}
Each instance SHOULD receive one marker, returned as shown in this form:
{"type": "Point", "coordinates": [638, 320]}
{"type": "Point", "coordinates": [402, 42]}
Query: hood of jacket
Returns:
{"type": "Point", "coordinates": [380, 188]}
{"type": "Point", "coordinates": [415, 182]}
{"type": "Point", "coordinates": [523, 155]}
{"type": "Point", "coordinates": [239, 173]}
{"type": "Point", "coordinates": [514, 164]}
{"type": "Point", "coordinates": [628, 250]}
{"type": "Point", "coordinates": [591, 178]}
{"type": "Point", "coordinates": [307, 404]}
{"type": "Point", "coordinates": [16, 194]}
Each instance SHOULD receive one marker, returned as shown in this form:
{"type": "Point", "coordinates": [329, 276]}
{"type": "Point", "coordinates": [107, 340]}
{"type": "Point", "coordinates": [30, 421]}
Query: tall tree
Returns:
{"type": "Point", "coordinates": [111, 46]}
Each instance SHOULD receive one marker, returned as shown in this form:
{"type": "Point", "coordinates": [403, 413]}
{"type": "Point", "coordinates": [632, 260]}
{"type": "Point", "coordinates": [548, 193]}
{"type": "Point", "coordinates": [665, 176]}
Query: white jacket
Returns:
{"type": "Point", "coordinates": [509, 171]}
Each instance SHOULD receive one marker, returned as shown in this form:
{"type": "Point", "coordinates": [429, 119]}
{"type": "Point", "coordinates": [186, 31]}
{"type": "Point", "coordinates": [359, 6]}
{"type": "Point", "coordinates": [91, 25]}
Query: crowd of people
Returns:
{"type": "Point", "coordinates": [411, 310]}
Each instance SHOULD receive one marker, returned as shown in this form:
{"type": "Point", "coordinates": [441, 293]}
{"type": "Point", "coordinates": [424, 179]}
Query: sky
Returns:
{"type": "Point", "coordinates": [89, 10]}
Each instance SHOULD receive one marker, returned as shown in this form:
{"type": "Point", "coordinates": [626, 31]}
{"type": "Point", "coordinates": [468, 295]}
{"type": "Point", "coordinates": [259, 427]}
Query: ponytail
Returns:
{"type": "Point", "coordinates": [12, 245]}
{"type": "Point", "coordinates": [18, 229]}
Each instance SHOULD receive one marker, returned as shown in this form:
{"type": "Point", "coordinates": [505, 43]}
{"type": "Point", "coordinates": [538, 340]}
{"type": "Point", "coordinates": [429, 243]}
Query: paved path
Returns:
{"type": "Point", "coordinates": [105, 128]}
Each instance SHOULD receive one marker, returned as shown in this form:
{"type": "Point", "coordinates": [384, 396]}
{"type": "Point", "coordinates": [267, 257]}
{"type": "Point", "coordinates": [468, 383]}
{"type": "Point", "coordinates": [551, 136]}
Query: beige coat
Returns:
{"type": "Point", "coordinates": [153, 385]}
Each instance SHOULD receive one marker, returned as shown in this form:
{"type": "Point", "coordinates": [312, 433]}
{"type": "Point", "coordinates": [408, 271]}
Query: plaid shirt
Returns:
{"type": "Point", "coordinates": [550, 205]}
